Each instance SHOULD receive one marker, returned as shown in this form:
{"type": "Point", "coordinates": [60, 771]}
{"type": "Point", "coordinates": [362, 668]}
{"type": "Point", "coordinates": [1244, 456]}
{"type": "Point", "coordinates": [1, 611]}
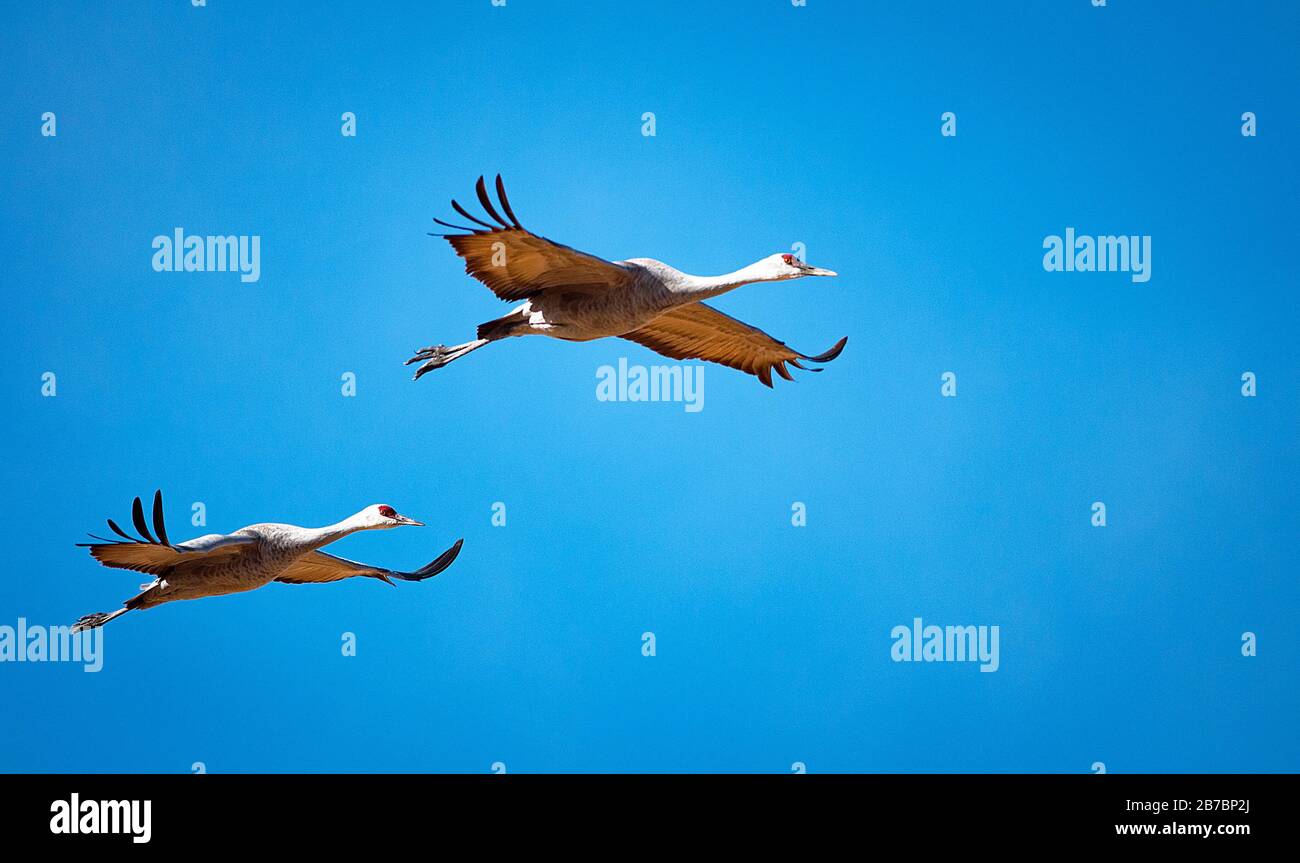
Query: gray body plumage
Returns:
{"type": "Point", "coordinates": [568, 294]}
{"type": "Point", "coordinates": [650, 289]}
{"type": "Point", "coordinates": [249, 558]}
{"type": "Point", "coordinates": [271, 549]}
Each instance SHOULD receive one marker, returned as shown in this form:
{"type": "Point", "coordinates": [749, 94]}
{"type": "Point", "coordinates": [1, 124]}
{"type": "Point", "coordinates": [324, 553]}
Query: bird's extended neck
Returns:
{"type": "Point", "coordinates": [703, 287]}
{"type": "Point", "coordinates": [318, 537]}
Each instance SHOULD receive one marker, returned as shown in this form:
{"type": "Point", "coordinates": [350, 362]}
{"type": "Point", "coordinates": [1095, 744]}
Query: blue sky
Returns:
{"type": "Point", "coordinates": [775, 125]}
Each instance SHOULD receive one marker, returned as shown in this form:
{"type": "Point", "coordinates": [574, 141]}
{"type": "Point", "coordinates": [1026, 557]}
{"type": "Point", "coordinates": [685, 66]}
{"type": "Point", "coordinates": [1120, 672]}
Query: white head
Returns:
{"type": "Point", "coordinates": [381, 516]}
{"type": "Point", "coordinates": [784, 265]}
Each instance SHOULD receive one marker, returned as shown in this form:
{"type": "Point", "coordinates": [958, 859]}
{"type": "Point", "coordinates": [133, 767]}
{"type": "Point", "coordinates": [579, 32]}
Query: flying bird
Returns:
{"type": "Point", "coordinates": [250, 557]}
{"type": "Point", "coordinates": [568, 294]}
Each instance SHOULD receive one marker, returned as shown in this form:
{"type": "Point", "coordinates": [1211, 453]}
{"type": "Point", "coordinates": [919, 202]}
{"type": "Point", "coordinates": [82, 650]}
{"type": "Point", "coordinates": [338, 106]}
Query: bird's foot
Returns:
{"type": "Point", "coordinates": [427, 353]}
{"type": "Point", "coordinates": [435, 358]}
{"type": "Point", "coordinates": [90, 621]}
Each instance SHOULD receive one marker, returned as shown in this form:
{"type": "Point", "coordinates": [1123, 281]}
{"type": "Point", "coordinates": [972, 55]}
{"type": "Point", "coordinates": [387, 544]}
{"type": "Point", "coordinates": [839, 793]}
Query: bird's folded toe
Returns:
{"type": "Point", "coordinates": [428, 353]}
{"type": "Point", "coordinates": [435, 358]}
{"type": "Point", "coordinates": [426, 368]}
{"type": "Point", "coordinates": [89, 621]}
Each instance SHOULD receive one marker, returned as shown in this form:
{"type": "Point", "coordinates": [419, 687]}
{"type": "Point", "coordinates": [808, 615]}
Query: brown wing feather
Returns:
{"type": "Point", "coordinates": [701, 332]}
{"type": "Point", "coordinates": [157, 556]}
{"type": "Point", "coordinates": [317, 567]}
{"type": "Point", "coordinates": [137, 556]}
{"type": "Point", "coordinates": [157, 559]}
{"type": "Point", "coordinates": [517, 264]}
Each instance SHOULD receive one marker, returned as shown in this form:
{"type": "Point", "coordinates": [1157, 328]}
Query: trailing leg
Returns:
{"type": "Point", "coordinates": [439, 355]}
{"type": "Point", "coordinates": [514, 324]}
{"type": "Point", "coordinates": [99, 618]}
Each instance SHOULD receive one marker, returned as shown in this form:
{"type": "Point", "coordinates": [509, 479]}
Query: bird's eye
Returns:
{"type": "Point", "coordinates": [387, 511]}
{"type": "Point", "coordinates": [789, 259]}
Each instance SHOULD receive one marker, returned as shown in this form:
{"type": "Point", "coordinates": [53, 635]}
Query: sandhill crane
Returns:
{"type": "Point", "coordinates": [250, 557]}
{"type": "Point", "coordinates": [571, 295]}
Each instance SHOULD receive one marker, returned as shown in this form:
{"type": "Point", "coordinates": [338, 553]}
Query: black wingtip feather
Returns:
{"type": "Point", "coordinates": [137, 516]}
{"type": "Point", "coordinates": [505, 203]}
{"type": "Point", "coordinates": [831, 354]}
{"type": "Point", "coordinates": [455, 205]}
{"type": "Point", "coordinates": [481, 189]}
{"type": "Point", "coordinates": [112, 525]}
{"type": "Point", "coordinates": [435, 566]}
{"type": "Point", "coordinates": [158, 526]}
{"type": "Point", "coordinates": [450, 225]}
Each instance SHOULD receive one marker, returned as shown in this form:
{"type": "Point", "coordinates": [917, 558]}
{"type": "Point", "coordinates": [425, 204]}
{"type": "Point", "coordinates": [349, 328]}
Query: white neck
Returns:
{"type": "Point", "coordinates": [703, 287]}
{"type": "Point", "coordinates": [316, 537]}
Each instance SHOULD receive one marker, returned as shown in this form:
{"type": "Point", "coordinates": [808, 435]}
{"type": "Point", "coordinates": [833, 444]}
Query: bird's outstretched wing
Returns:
{"type": "Point", "coordinates": [156, 555]}
{"type": "Point", "coordinates": [317, 567]}
{"type": "Point", "coordinates": [516, 263]}
{"type": "Point", "coordinates": [702, 332]}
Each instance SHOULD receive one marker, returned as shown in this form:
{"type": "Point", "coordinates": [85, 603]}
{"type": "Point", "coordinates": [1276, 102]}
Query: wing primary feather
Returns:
{"type": "Point", "coordinates": [434, 567]}
{"type": "Point", "coordinates": [505, 203]}
{"type": "Point", "coordinates": [830, 354]}
{"type": "Point", "coordinates": [765, 375]}
{"type": "Point", "coordinates": [481, 188]}
{"type": "Point", "coordinates": [93, 544]}
{"type": "Point", "coordinates": [783, 371]}
{"type": "Point", "coordinates": [457, 227]}
{"type": "Point", "coordinates": [158, 526]}
{"type": "Point", "coordinates": [137, 516]}
{"type": "Point", "coordinates": [458, 208]}
{"type": "Point", "coordinates": [112, 525]}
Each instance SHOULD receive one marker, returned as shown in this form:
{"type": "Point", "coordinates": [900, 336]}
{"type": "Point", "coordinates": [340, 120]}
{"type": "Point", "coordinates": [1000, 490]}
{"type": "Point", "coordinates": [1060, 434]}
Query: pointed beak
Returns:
{"type": "Point", "coordinates": [818, 271]}
{"type": "Point", "coordinates": [401, 519]}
